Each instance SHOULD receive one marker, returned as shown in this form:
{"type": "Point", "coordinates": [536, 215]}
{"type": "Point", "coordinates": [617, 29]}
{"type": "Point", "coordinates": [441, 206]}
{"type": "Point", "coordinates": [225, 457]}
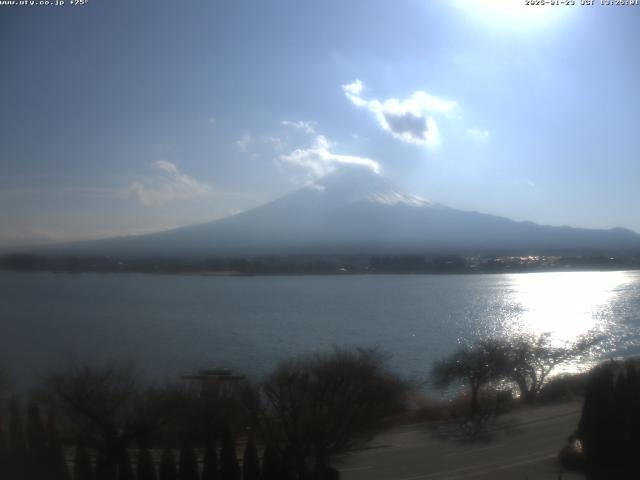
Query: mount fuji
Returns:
{"type": "Point", "coordinates": [356, 211]}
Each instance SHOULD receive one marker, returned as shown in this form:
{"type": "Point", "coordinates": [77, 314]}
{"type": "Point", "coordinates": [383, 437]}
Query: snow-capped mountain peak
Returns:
{"type": "Point", "coordinates": [355, 184]}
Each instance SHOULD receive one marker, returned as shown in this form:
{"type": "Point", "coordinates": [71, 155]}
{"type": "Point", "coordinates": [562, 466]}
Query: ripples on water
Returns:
{"type": "Point", "coordinates": [568, 305]}
{"type": "Point", "coordinates": [172, 324]}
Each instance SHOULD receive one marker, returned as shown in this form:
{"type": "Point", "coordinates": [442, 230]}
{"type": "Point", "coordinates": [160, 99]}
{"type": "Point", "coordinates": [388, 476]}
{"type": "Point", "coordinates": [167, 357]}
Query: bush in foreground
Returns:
{"type": "Point", "coordinates": [313, 408]}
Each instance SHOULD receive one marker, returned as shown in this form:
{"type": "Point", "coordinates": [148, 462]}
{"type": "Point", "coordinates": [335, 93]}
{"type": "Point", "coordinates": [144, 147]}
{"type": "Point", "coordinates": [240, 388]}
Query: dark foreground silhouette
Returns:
{"type": "Point", "coordinates": [103, 424]}
{"type": "Point", "coordinates": [606, 442]}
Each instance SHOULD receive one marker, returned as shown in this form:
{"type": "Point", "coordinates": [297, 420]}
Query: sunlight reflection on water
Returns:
{"type": "Point", "coordinates": [567, 305]}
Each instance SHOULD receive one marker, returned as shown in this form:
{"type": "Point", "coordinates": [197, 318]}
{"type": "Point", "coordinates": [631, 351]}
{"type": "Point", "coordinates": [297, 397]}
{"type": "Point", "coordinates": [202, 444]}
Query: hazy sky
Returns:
{"type": "Point", "coordinates": [133, 116]}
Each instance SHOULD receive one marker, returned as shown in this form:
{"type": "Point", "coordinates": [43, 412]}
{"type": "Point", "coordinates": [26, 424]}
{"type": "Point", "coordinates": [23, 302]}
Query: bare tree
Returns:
{"type": "Point", "coordinates": [109, 406]}
{"type": "Point", "coordinates": [315, 407]}
{"type": "Point", "coordinates": [217, 402]}
{"type": "Point", "coordinates": [477, 365]}
{"type": "Point", "coordinates": [531, 359]}
{"type": "Point", "coordinates": [526, 360]}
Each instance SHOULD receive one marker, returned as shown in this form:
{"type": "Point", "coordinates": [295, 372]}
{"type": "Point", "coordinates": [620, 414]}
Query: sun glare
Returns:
{"type": "Point", "coordinates": [566, 304]}
{"type": "Point", "coordinates": [512, 14]}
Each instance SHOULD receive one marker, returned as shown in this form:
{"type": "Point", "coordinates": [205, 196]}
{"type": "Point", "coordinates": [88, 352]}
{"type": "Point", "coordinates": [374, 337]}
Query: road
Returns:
{"type": "Point", "coordinates": [516, 446]}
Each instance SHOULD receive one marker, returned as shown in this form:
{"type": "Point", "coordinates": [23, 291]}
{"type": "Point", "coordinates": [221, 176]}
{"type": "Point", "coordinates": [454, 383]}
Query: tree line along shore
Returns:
{"type": "Point", "coordinates": [319, 265]}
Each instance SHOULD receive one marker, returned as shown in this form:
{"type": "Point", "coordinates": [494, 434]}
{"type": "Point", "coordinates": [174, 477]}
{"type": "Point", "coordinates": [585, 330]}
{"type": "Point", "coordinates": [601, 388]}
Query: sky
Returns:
{"type": "Point", "coordinates": [124, 117]}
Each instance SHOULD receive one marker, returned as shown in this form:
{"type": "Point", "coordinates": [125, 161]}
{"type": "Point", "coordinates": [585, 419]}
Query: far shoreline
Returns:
{"type": "Point", "coordinates": [343, 264]}
{"type": "Point", "coordinates": [224, 274]}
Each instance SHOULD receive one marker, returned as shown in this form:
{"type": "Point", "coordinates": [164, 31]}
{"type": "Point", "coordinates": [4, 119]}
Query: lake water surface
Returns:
{"type": "Point", "coordinates": [171, 324]}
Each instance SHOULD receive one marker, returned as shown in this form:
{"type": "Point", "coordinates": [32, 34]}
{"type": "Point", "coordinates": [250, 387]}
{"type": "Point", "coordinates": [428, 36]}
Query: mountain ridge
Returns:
{"type": "Point", "coordinates": [352, 211]}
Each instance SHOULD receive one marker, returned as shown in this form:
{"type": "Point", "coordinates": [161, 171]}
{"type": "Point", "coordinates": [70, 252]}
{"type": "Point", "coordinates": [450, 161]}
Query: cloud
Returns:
{"type": "Point", "coordinates": [410, 120]}
{"type": "Point", "coordinates": [244, 141]}
{"type": "Point", "coordinates": [166, 166]}
{"type": "Point", "coordinates": [274, 142]}
{"type": "Point", "coordinates": [306, 127]}
{"type": "Point", "coordinates": [478, 133]}
{"type": "Point", "coordinates": [319, 160]}
{"type": "Point", "coordinates": [167, 185]}
{"type": "Point", "coordinates": [354, 89]}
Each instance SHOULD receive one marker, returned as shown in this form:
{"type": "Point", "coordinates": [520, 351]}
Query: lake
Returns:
{"type": "Point", "coordinates": [171, 324]}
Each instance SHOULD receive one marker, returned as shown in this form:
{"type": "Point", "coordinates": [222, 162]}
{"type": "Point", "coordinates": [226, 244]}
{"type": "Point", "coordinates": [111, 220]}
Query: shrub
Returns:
{"type": "Point", "coordinates": [250, 461]}
{"type": "Point", "coordinates": [210, 463]}
{"type": "Point", "coordinates": [188, 463]}
{"type": "Point", "coordinates": [168, 470]}
{"type": "Point", "coordinates": [229, 468]}
{"type": "Point", "coordinates": [82, 469]}
{"type": "Point", "coordinates": [145, 470]}
{"type": "Point", "coordinates": [315, 407]}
